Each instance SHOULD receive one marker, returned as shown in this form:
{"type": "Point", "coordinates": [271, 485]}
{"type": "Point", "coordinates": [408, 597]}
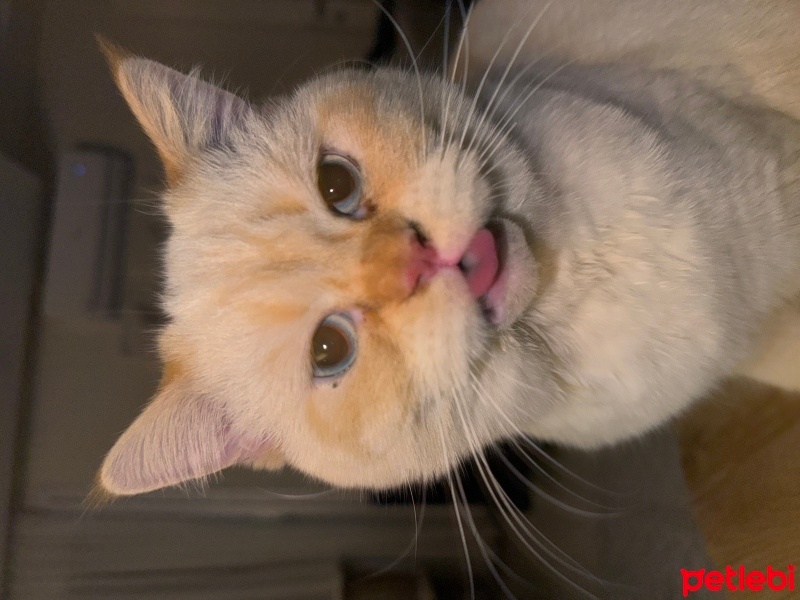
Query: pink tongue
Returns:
{"type": "Point", "coordinates": [480, 263]}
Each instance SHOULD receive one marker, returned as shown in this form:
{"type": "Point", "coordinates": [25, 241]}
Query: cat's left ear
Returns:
{"type": "Point", "coordinates": [182, 114]}
{"type": "Point", "coordinates": [180, 436]}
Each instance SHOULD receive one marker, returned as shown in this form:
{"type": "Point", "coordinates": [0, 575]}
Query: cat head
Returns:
{"type": "Point", "coordinates": [344, 280]}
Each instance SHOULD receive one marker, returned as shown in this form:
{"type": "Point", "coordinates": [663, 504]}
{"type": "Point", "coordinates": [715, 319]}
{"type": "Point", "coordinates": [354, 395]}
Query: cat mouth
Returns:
{"type": "Point", "coordinates": [483, 265]}
{"type": "Point", "coordinates": [483, 268]}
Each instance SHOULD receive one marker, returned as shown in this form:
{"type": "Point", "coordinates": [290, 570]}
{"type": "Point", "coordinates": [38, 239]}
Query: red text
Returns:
{"type": "Point", "coordinates": [737, 580]}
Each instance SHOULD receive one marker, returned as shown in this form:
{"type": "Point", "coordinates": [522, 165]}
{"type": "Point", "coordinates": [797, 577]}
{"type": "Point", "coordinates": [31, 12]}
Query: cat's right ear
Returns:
{"type": "Point", "coordinates": [182, 114]}
{"type": "Point", "coordinates": [180, 436]}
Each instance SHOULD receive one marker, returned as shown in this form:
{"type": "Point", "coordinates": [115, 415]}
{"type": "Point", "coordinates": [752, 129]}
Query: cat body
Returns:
{"type": "Point", "coordinates": [747, 51]}
{"type": "Point", "coordinates": [659, 181]}
{"type": "Point", "coordinates": [743, 49]}
{"type": "Point", "coordinates": [576, 253]}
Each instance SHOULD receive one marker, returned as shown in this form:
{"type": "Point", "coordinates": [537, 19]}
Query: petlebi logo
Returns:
{"type": "Point", "coordinates": [738, 579]}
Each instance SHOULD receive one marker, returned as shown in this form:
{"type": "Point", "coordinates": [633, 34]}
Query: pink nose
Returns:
{"type": "Point", "coordinates": [479, 263]}
{"type": "Point", "coordinates": [423, 264]}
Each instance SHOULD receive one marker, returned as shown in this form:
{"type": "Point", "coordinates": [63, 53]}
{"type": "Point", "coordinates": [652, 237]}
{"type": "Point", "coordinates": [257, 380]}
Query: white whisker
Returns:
{"type": "Point", "coordinates": [482, 547]}
{"type": "Point", "coordinates": [510, 64]}
{"type": "Point", "coordinates": [470, 574]}
{"type": "Point", "coordinates": [414, 64]}
{"type": "Point", "coordinates": [517, 433]}
{"type": "Point", "coordinates": [569, 472]}
{"type": "Point", "coordinates": [506, 123]}
{"type": "Point", "coordinates": [520, 525]}
{"type": "Point", "coordinates": [477, 92]}
{"type": "Point", "coordinates": [463, 45]}
{"type": "Point", "coordinates": [445, 96]}
{"type": "Point", "coordinates": [412, 545]}
{"type": "Point", "coordinates": [539, 491]}
{"type": "Point", "coordinates": [310, 496]}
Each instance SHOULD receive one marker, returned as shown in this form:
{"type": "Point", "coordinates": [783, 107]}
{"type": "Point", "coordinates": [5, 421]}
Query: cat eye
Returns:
{"type": "Point", "coordinates": [333, 347]}
{"type": "Point", "coordinates": [339, 184]}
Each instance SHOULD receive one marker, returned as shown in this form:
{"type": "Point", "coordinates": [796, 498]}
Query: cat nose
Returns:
{"type": "Point", "coordinates": [423, 263]}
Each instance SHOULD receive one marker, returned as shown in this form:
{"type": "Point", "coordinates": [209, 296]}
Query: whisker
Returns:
{"type": "Point", "coordinates": [432, 35]}
{"type": "Point", "coordinates": [412, 545]}
{"type": "Point", "coordinates": [506, 123]}
{"type": "Point", "coordinates": [416, 523]}
{"type": "Point", "coordinates": [309, 496]}
{"type": "Point", "coordinates": [465, 15]}
{"type": "Point", "coordinates": [445, 96]}
{"type": "Point", "coordinates": [489, 114]}
{"type": "Point", "coordinates": [463, 45]}
{"type": "Point", "coordinates": [561, 467]}
{"type": "Point", "coordinates": [602, 509]}
{"type": "Point", "coordinates": [470, 574]}
{"type": "Point", "coordinates": [154, 202]}
{"type": "Point", "coordinates": [477, 92]}
{"type": "Point", "coordinates": [345, 63]}
{"type": "Point", "coordinates": [509, 511]}
{"type": "Point", "coordinates": [421, 517]}
{"type": "Point", "coordinates": [509, 87]}
{"type": "Point", "coordinates": [556, 501]}
{"type": "Point", "coordinates": [510, 64]}
{"type": "Point", "coordinates": [517, 431]}
{"type": "Point", "coordinates": [279, 79]}
{"type": "Point", "coordinates": [482, 546]}
{"type": "Point", "coordinates": [414, 64]}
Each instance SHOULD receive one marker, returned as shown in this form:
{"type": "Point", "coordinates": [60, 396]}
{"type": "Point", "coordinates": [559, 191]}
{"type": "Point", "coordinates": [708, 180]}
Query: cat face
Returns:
{"type": "Point", "coordinates": [344, 273]}
{"type": "Point", "coordinates": [369, 281]}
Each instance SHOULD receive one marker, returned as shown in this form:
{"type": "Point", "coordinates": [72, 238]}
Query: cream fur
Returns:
{"type": "Point", "coordinates": [744, 48]}
{"type": "Point", "coordinates": [652, 224]}
{"type": "Point", "coordinates": [747, 50]}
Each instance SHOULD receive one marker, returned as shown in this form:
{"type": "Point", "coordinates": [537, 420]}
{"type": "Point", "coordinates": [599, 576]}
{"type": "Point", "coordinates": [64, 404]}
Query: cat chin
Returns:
{"type": "Point", "coordinates": [587, 424]}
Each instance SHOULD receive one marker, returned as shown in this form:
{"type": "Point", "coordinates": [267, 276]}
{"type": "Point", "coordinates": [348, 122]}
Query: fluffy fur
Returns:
{"type": "Point", "coordinates": [651, 225]}
{"type": "Point", "coordinates": [744, 50]}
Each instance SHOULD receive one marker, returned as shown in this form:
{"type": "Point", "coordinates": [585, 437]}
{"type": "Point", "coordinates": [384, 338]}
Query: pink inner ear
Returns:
{"type": "Point", "coordinates": [239, 448]}
{"type": "Point", "coordinates": [176, 438]}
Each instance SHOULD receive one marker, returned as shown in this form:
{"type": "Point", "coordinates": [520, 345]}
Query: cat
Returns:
{"type": "Point", "coordinates": [383, 273]}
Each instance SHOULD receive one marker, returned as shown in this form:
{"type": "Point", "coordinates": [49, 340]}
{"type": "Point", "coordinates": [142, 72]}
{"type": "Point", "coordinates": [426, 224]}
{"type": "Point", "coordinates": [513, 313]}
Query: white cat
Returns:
{"type": "Point", "coordinates": [380, 274]}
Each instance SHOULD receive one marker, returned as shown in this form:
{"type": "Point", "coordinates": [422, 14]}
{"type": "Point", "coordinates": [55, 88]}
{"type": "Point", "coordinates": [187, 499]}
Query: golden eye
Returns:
{"type": "Point", "coordinates": [339, 184]}
{"type": "Point", "coordinates": [333, 347]}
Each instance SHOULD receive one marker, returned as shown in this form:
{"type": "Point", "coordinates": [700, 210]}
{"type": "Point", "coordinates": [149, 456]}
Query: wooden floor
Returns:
{"type": "Point", "coordinates": [741, 455]}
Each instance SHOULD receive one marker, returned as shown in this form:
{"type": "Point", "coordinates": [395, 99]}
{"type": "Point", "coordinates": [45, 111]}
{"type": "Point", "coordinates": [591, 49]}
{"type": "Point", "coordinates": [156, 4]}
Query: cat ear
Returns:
{"type": "Point", "coordinates": [179, 436]}
{"type": "Point", "coordinates": [176, 438]}
{"type": "Point", "coordinates": [180, 113]}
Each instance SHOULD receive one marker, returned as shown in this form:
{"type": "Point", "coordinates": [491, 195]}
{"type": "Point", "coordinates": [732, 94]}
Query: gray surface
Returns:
{"type": "Point", "coordinates": [640, 546]}
{"type": "Point", "coordinates": [20, 215]}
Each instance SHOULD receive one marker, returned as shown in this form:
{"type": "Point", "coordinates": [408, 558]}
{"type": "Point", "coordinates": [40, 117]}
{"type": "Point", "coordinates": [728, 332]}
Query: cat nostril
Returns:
{"type": "Point", "coordinates": [423, 262]}
{"type": "Point", "coordinates": [467, 262]}
{"type": "Point", "coordinates": [422, 239]}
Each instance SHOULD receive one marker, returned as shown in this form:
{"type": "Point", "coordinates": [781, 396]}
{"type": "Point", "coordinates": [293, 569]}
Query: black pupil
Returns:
{"type": "Point", "coordinates": [335, 182]}
{"type": "Point", "coordinates": [330, 347]}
